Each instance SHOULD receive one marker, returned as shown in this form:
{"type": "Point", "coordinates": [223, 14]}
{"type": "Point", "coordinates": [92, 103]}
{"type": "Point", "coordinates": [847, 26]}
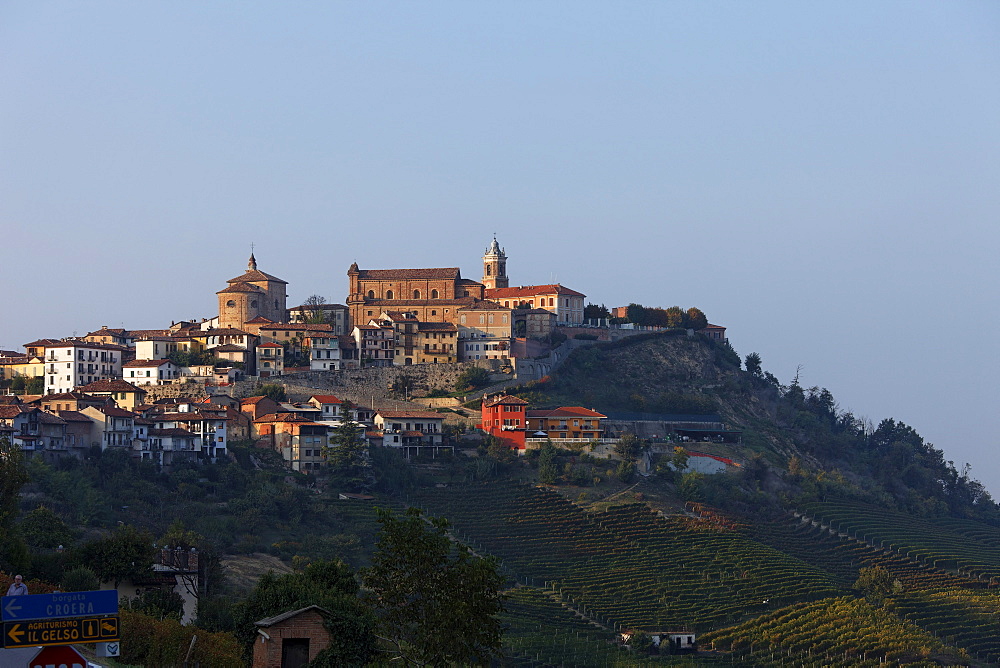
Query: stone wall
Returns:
{"type": "Point", "coordinates": [175, 390]}
{"type": "Point", "coordinates": [363, 385]}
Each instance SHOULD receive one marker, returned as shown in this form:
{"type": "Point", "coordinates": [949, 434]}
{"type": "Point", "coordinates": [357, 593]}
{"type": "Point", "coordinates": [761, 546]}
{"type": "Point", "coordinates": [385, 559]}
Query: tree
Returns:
{"type": "Point", "coordinates": [13, 552]}
{"type": "Point", "coordinates": [876, 583]}
{"type": "Point", "coordinates": [43, 528]}
{"type": "Point", "coordinates": [35, 385]}
{"type": "Point", "coordinates": [629, 447]}
{"type": "Point", "coordinates": [547, 463]}
{"type": "Point", "coordinates": [472, 378]}
{"type": "Point", "coordinates": [314, 308]}
{"type": "Point", "coordinates": [328, 584]}
{"type": "Point", "coordinates": [752, 362]}
{"type": "Point", "coordinates": [435, 602]}
{"type": "Point", "coordinates": [80, 578]}
{"type": "Point", "coordinates": [271, 391]}
{"type": "Point", "coordinates": [675, 317]}
{"type": "Point", "coordinates": [679, 460]}
{"type": "Point", "coordinates": [595, 312]}
{"type": "Point", "coordinates": [696, 319]}
{"type": "Point", "coordinates": [124, 555]}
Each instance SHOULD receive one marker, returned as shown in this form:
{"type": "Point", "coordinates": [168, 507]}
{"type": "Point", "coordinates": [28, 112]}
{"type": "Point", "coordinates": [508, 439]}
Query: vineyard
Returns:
{"type": "Point", "coordinates": [833, 632]}
{"type": "Point", "coordinates": [842, 558]}
{"type": "Point", "coordinates": [969, 548]}
{"type": "Point", "coordinates": [628, 567]}
{"type": "Point", "coordinates": [540, 632]}
{"type": "Point", "coordinates": [967, 619]}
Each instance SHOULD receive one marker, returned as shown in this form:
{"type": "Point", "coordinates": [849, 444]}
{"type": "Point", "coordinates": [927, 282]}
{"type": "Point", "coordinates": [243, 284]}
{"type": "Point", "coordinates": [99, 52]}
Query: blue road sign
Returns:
{"type": "Point", "coordinates": [51, 606]}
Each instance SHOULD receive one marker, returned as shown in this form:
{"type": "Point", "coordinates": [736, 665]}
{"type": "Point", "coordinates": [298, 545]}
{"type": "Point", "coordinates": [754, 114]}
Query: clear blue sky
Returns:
{"type": "Point", "coordinates": [822, 178]}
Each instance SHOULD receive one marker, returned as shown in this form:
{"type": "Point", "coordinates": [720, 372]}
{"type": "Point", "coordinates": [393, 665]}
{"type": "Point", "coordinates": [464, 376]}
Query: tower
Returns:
{"type": "Point", "coordinates": [495, 267]}
{"type": "Point", "coordinates": [253, 294]}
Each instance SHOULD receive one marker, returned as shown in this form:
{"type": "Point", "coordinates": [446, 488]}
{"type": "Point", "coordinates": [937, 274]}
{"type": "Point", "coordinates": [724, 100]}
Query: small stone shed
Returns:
{"type": "Point", "coordinates": [291, 639]}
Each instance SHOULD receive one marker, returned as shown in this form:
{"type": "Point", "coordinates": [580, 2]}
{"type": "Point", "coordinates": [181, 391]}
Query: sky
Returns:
{"type": "Point", "coordinates": [820, 178]}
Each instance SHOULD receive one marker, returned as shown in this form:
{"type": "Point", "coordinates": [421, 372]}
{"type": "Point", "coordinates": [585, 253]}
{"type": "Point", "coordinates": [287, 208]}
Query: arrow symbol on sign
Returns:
{"type": "Point", "coordinates": [15, 634]}
{"type": "Point", "coordinates": [11, 608]}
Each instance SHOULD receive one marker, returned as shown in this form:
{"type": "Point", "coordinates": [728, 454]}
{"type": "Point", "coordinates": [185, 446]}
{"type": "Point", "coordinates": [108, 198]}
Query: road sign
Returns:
{"type": "Point", "coordinates": [51, 606]}
{"type": "Point", "coordinates": [68, 631]}
{"type": "Point", "coordinates": [58, 656]}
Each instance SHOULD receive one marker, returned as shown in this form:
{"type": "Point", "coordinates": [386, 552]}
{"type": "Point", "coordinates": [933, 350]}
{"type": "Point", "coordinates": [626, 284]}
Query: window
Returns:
{"type": "Point", "coordinates": [482, 320]}
{"type": "Point", "coordinates": [230, 304]}
{"type": "Point", "coordinates": [434, 294]}
{"type": "Point", "coordinates": [253, 303]}
{"type": "Point", "coordinates": [505, 319]}
{"type": "Point", "coordinates": [388, 294]}
{"type": "Point", "coordinates": [416, 294]}
{"type": "Point", "coordinates": [434, 312]}
{"type": "Point", "coordinates": [371, 295]}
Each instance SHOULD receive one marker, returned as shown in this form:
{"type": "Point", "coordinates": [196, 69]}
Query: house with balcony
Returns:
{"type": "Point", "coordinates": [376, 344]}
{"type": "Point", "coordinates": [150, 372]}
{"type": "Point", "coordinates": [324, 355]}
{"type": "Point", "coordinates": [204, 422]}
{"type": "Point", "coordinates": [123, 393]}
{"type": "Point", "coordinates": [297, 439]}
{"type": "Point", "coordinates": [505, 417]}
{"type": "Point", "coordinates": [484, 331]}
{"type": "Point", "coordinates": [71, 363]}
{"type": "Point", "coordinates": [414, 432]}
{"type": "Point", "coordinates": [567, 424]}
{"type": "Point", "coordinates": [270, 360]}
{"type": "Point", "coordinates": [113, 427]}
{"type": "Point", "coordinates": [36, 432]}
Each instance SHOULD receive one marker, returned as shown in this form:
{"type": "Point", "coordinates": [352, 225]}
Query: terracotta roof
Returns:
{"type": "Point", "coordinates": [271, 621]}
{"type": "Point", "coordinates": [418, 415]}
{"type": "Point", "coordinates": [565, 411]}
{"type": "Point", "coordinates": [145, 363]}
{"type": "Point", "coordinates": [9, 400]}
{"type": "Point", "coordinates": [436, 327]}
{"type": "Point", "coordinates": [282, 417]}
{"type": "Point", "coordinates": [484, 305]}
{"type": "Point", "coordinates": [241, 287]}
{"type": "Point", "coordinates": [299, 327]}
{"type": "Point", "coordinates": [72, 396]}
{"type": "Point", "coordinates": [711, 326]}
{"type": "Point", "coordinates": [452, 273]}
{"type": "Point", "coordinates": [326, 399]}
{"type": "Point", "coordinates": [531, 291]}
{"type": "Point", "coordinates": [114, 411]}
{"type": "Point", "coordinates": [259, 319]}
{"type": "Point", "coordinates": [105, 331]}
{"type": "Point", "coordinates": [49, 418]}
{"type": "Point", "coordinates": [7, 411]}
{"type": "Point", "coordinates": [10, 353]}
{"type": "Point", "coordinates": [73, 416]}
{"type": "Point", "coordinates": [227, 331]}
{"type": "Point", "coordinates": [140, 334]}
{"type": "Point", "coordinates": [40, 343]}
{"type": "Point", "coordinates": [80, 343]}
{"type": "Point", "coordinates": [505, 400]}
{"type": "Point", "coordinates": [110, 386]}
{"type": "Point", "coordinates": [256, 275]}
{"type": "Point", "coordinates": [229, 348]}
{"type": "Point", "coordinates": [269, 345]}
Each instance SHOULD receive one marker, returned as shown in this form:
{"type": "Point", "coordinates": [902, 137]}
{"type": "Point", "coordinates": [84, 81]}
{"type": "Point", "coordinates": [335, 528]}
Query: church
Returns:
{"type": "Point", "coordinates": [253, 294]}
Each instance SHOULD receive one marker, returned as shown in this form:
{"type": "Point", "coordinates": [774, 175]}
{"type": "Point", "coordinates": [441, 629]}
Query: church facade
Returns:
{"type": "Point", "coordinates": [252, 295]}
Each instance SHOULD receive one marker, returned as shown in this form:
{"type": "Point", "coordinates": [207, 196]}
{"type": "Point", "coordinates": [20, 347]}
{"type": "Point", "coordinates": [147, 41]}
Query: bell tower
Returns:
{"type": "Point", "coordinates": [495, 267]}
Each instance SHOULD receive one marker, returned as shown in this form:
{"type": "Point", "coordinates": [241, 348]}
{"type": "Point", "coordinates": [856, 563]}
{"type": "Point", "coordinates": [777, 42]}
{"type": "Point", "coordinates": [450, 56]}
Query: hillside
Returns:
{"type": "Point", "coordinates": [760, 561]}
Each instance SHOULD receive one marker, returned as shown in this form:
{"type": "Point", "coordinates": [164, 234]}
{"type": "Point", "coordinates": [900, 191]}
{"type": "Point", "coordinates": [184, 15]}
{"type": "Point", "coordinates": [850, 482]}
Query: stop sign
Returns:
{"type": "Point", "coordinates": [58, 656]}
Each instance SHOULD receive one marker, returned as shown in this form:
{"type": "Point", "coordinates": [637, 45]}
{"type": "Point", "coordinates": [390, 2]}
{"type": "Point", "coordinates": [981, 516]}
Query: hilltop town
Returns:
{"type": "Point", "coordinates": [186, 391]}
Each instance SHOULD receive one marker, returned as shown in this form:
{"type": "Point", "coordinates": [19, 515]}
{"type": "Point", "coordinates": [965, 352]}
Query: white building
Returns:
{"type": "Point", "coordinates": [150, 372]}
{"type": "Point", "coordinates": [73, 362]}
{"type": "Point", "coordinates": [325, 353]}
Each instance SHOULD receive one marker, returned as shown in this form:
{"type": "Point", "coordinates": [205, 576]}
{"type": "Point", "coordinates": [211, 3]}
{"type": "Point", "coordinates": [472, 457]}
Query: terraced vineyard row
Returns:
{"type": "Point", "coordinates": [964, 618]}
{"type": "Point", "coordinates": [541, 632]}
{"type": "Point", "coordinates": [843, 557]}
{"type": "Point", "coordinates": [628, 566]}
{"type": "Point", "coordinates": [969, 547]}
{"type": "Point", "coordinates": [840, 631]}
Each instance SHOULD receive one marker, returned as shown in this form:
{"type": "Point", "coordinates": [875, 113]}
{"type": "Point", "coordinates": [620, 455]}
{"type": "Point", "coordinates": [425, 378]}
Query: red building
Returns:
{"type": "Point", "coordinates": [504, 417]}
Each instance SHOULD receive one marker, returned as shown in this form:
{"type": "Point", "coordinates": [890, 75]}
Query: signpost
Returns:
{"type": "Point", "coordinates": [71, 630]}
{"type": "Point", "coordinates": [51, 620]}
{"type": "Point", "coordinates": [52, 606]}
